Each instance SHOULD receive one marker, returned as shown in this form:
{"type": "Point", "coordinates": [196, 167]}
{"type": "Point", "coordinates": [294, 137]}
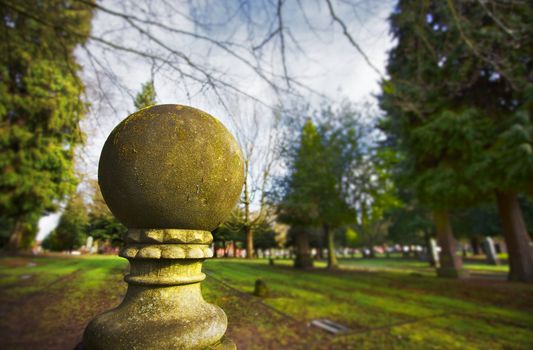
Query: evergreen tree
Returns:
{"type": "Point", "coordinates": [264, 236]}
{"type": "Point", "coordinates": [230, 230]}
{"type": "Point", "coordinates": [374, 193]}
{"type": "Point", "coordinates": [102, 224]}
{"type": "Point", "coordinates": [40, 109]}
{"type": "Point", "coordinates": [313, 189]}
{"type": "Point", "coordinates": [146, 97]}
{"type": "Point", "coordinates": [459, 104]}
{"type": "Point", "coordinates": [70, 233]}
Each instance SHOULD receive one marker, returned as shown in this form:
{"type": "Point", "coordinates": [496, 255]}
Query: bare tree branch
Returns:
{"type": "Point", "coordinates": [351, 39]}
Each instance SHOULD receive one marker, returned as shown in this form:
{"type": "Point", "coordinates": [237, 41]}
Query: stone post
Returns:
{"type": "Point", "coordinates": [171, 174]}
{"type": "Point", "coordinates": [433, 252]}
{"type": "Point", "coordinates": [490, 251]}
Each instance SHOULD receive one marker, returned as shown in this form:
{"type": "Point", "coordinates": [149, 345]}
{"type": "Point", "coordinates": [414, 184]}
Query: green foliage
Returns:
{"type": "Point", "coordinates": [351, 237]}
{"type": "Point", "coordinates": [232, 229]}
{"type": "Point", "coordinates": [70, 233]}
{"type": "Point", "coordinates": [102, 224]}
{"type": "Point", "coordinates": [264, 236]}
{"type": "Point", "coordinates": [459, 99]}
{"type": "Point", "coordinates": [478, 221]}
{"type": "Point", "coordinates": [40, 108]}
{"type": "Point", "coordinates": [106, 228]}
{"type": "Point", "coordinates": [373, 192]}
{"type": "Point", "coordinates": [313, 193]}
{"type": "Point", "coordinates": [146, 97]}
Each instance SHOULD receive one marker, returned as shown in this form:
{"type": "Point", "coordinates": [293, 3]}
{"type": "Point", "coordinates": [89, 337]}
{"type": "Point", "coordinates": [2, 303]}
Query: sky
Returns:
{"type": "Point", "coordinates": [318, 56]}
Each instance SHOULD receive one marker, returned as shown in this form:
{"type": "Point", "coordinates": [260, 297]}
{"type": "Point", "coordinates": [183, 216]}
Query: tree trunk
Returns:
{"type": "Point", "coordinates": [428, 249]}
{"type": "Point", "coordinates": [320, 248]}
{"type": "Point", "coordinates": [303, 258]}
{"type": "Point", "coordinates": [15, 238]}
{"type": "Point", "coordinates": [451, 265]}
{"type": "Point", "coordinates": [225, 249]}
{"type": "Point", "coordinates": [332, 258]}
{"type": "Point", "coordinates": [249, 242]}
{"type": "Point", "coordinates": [517, 240]}
{"type": "Point", "coordinates": [474, 242]}
{"type": "Point", "coordinates": [247, 222]}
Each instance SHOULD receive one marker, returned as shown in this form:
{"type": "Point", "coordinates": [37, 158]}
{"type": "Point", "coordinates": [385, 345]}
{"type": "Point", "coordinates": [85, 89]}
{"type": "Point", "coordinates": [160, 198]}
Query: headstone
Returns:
{"type": "Point", "coordinates": [434, 253]}
{"type": "Point", "coordinates": [490, 251]}
{"type": "Point", "coordinates": [94, 248]}
{"type": "Point", "coordinates": [260, 289]}
{"type": "Point", "coordinates": [330, 326]}
{"type": "Point", "coordinates": [171, 174]}
{"type": "Point", "coordinates": [89, 243]}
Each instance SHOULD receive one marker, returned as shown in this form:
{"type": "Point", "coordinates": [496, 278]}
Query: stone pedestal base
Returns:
{"type": "Point", "coordinates": [174, 317]}
{"type": "Point", "coordinates": [163, 307]}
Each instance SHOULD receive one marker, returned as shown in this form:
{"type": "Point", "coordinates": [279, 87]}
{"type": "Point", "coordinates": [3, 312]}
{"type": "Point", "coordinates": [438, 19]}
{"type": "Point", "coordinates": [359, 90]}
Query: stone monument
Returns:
{"type": "Point", "coordinates": [171, 174]}
{"type": "Point", "coordinates": [433, 252]}
{"type": "Point", "coordinates": [490, 251]}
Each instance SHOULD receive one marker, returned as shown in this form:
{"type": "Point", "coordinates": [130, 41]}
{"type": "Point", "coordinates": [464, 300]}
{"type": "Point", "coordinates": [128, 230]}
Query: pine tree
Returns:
{"type": "Point", "coordinates": [146, 97]}
{"type": "Point", "coordinates": [102, 224]}
{"type": "Point", "coordinates": [70, 233]}
{"type": "Point", "coordinates": [40, 109]}
{"type": "Point", "coordinates": [313, 189]}
{"type": "Point", "coordinates": [459, 102]}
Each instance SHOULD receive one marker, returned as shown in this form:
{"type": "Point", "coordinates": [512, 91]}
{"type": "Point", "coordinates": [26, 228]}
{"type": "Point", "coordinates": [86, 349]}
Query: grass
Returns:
{"type": "Point", "coordinates": [386, 303]}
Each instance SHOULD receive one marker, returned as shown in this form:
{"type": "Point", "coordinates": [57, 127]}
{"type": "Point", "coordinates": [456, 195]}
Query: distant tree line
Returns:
{"type": "Point", "coordinates": [80, 220]}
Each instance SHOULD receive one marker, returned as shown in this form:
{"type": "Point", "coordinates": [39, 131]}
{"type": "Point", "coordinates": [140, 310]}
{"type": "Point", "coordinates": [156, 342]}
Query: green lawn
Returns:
{"type": "Point", "coordinates": [386, 303]}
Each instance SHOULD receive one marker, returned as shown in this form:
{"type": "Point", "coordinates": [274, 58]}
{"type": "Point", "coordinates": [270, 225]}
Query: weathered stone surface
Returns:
{"type": "Point", "coordinates": [260, 289]}
{"type": "Point", "coordinates": [171, 166]}
{"type": "Point", "coordinates": [174, 317]}
{"type": "Point", "coordinates": [167, 251]}
{"type": "Point", "coordinates": [490, 251]}
{"type": "Point", "coordinates": [171, 174]}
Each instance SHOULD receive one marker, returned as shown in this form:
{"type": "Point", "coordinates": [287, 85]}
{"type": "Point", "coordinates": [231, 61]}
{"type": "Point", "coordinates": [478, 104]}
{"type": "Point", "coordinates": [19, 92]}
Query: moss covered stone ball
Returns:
{"type": "Point", "coordinates": [171, 166]}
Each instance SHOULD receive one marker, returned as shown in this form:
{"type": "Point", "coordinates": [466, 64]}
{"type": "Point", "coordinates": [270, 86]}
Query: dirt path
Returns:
{"type": "Point", "coordinates": [52, 317]}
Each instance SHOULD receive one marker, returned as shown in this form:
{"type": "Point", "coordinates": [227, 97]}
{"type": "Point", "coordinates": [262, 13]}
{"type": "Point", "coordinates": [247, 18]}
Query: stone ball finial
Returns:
{"type": "Point", "coordinates": [171, 166]}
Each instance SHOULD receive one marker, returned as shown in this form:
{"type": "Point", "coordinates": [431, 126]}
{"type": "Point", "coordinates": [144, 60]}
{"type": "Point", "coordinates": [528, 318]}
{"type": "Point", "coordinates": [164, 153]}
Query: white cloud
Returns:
{"type": "Point", "coordinates": [329, 65]}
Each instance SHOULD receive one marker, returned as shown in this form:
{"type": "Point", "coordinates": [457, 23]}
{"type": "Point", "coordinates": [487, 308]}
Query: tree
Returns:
{"type": "Point", "coordinates": [373, 193]}
{"type": "Point", "coordinates": [313, 192]}
{"type": "Point", "coordinates": [477, 222]}
{"type": "Point", "coordinates": [40, 109]}
{"type": "Point", "coordinates": [299, 237]}
{"type": "Point", "coordinates": [102, 224]}
{"type": "Point", "coordinates": [70, 233]}
{"type": "Point", "coordinates": [257, 171]}
{"type": "Point", "coordinates": [146, 97]}
{"type": "Point", "coordinates": [265, 236]}
{"type": "Point", "coordinates": [459, 102]}
{"type": "Point", "coordinates": [230, 230]}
